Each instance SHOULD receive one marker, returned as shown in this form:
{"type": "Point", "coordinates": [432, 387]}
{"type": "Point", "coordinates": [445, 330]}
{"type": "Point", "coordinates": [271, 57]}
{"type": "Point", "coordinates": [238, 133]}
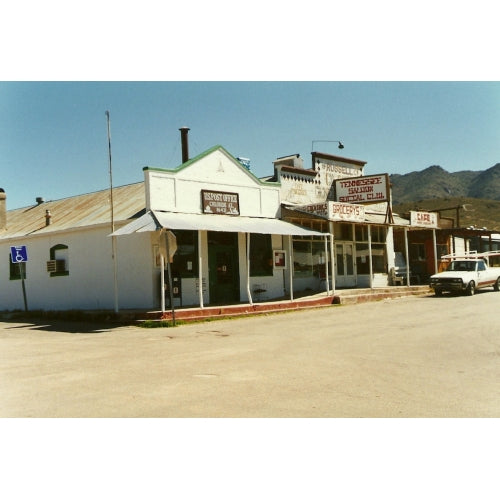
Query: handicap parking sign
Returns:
{"type": "Point", "coordinates": [18, 254]}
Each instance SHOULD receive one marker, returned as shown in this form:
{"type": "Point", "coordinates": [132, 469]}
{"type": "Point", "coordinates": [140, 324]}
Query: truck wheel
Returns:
{"type": "Point", "coordinates": [496, 286]}
{"type": "Point", "coordinates": [438, 292]}
{"type": "Point", "coordinates": [471, 289]}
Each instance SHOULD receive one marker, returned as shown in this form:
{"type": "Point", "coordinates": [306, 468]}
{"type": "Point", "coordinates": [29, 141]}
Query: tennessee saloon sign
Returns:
{"type": "Point", "coordinates": [218, 202]}
{"type": "Point", "coordinates": [366, 189]}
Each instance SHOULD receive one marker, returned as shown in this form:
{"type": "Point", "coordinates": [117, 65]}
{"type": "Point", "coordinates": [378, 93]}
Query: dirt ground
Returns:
{"type": "Point", "coordinates": [409, 357]}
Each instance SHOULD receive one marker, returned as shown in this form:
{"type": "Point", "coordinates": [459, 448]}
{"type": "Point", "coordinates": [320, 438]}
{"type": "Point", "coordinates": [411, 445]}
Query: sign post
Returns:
{"type": "Point", "coordinates": [19, 255]}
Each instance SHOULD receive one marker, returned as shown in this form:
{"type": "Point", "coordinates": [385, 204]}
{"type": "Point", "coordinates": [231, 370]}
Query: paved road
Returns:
{"type": "Point", "coordinates": [410, 357]}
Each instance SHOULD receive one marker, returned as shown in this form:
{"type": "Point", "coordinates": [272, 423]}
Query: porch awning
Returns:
{"type": "Point", "coordinates": [155, 220]}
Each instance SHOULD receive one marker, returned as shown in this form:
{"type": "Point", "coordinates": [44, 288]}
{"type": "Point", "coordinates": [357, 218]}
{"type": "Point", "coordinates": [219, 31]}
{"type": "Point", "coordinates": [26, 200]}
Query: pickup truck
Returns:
{"type": "Point", "coordinates": [466, 275]}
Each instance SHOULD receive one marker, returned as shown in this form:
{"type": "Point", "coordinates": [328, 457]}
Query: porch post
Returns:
{"type": "Point", "coordinates": [290, 250]}
{"type": "Point", "coordinates": [370, 254]}
{"type": "Point", "coordinates": [435, 251]}
{"type": "Point", "coordinates": [247, 235]}
{"type": "Point", "coordinates": [200, 271]}
{"type": "Point", "coordinates": [162, 282]}
{"type": "Point", "coordinates": [332, 257]}
{"type": "Point", "coordinates": [326, 267]}
{"type": "Point", "coordinates": [407, 258]}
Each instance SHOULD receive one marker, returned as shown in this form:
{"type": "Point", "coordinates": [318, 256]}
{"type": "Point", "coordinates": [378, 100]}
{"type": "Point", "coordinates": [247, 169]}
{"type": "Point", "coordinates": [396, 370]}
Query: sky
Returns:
{"type": "Point", "coordinates": [53, 134]}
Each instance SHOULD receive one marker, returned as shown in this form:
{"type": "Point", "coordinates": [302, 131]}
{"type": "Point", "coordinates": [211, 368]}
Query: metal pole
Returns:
{"type": "Point", "coordinates": [23, 287]}
{"type": "Point", "coordinates": [169, 270]}
{"type": "Point", "coordinates": [113, 238]}
{"type": "Point", "coordinates": [200, 271]}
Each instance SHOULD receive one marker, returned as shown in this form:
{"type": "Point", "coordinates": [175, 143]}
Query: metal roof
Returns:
{"type": "Point", "coordinates": [76, 212]}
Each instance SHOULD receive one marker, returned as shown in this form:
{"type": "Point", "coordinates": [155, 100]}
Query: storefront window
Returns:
{"type": "Point", "coordinates": [309, 258]}
{"type": "Point", "coordinates": [185, 262]}
{"type": "Point", "coordinates": [379, 258]}
{"type": "Point", "coordinates": [261, 258]}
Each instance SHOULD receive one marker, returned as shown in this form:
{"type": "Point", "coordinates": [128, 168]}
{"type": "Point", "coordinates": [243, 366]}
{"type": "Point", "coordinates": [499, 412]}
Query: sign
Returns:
{"type": "Point", "coordinates": [218, 202]}
{"type": "Point", "coordinates": [335, 211]}
{"type": "Point", "coordinates": [18, 254]}
{"type": "Point", "coordinates": [424, 219]}
{"type": "Point", "coordinates": [346, 212]}
{"type": "Point", "coordinates": [366, 189]}
{"type": "Point", "coordinates": [279, 259]}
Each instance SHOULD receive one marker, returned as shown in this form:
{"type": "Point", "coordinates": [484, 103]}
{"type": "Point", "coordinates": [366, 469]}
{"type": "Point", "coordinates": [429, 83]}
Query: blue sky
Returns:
{"type": "Point", "coordinates": [53, 140]}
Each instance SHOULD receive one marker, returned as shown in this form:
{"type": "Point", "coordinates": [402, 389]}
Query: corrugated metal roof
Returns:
{"type": "Point", "coordinates": [76, 212]}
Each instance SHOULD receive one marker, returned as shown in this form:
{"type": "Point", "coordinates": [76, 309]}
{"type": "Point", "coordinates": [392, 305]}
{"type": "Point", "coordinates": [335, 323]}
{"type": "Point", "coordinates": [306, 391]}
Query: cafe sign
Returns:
{"type": "Point", "coordinates": [219, 202]}
{"type": "Point", "coordinates": [423, 219]}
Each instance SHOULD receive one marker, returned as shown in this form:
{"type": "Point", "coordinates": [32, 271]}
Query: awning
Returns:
{"type": "Point", "coordinates": [155, 220]}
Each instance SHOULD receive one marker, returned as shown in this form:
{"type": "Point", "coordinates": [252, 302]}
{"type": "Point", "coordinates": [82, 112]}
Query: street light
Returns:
{"type": "Point", "coordinates": [340, 145]}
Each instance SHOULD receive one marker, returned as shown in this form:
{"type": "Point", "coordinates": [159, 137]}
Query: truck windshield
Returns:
{"type": "Point", "coordinates": [462, 265]}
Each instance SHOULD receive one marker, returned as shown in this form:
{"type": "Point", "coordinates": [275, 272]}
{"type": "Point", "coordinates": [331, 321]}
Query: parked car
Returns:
{"type": "Point", "coordinates": [466, 274]}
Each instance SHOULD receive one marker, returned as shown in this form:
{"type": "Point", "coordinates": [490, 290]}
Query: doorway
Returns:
{"type": "Point", "coordinates": [223, 268]}
{"type": "Point", "coordinates": [344, 265]}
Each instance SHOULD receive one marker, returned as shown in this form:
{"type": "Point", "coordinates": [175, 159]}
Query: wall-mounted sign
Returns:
{"type": "Point", "coordinates": [279, 259]}
{"type": "Point", "coordinates": [219, 202]}
{"type": "Point", "coordinates": [335, 211]}
{"type": "Point", "coordinates": [366, 189]}
{"type": "Point", "coordinates": [346, 211]}
{"type": "Point", "coordinates": [424, 219]}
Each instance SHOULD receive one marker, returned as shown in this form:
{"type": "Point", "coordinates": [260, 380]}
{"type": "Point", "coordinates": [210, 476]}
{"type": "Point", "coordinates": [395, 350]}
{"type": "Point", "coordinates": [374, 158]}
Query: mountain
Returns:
{"type": "Point", "coordinates": [476, 192]}
{"type": "Point", "coordinates": [435, 183]}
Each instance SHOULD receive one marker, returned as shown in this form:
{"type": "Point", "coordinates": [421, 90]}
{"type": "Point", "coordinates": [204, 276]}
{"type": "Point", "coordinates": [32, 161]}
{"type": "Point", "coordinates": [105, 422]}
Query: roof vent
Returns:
{"type": "Point", "coordinates": [40, 200]}
{"type": "Point", "coordinates": [244, 161]}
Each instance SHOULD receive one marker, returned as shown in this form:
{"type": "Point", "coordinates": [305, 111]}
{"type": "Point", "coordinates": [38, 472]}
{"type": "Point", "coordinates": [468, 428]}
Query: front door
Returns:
{"type": "Point", "coordinates": [223, 268]}
{"type": "Point", "coordinates": [344, 265]}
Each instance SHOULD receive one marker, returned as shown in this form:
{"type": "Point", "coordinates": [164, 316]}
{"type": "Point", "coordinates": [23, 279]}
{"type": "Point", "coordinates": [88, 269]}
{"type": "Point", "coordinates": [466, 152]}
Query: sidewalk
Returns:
{"type": "Point", "coordinates": [342, 297]}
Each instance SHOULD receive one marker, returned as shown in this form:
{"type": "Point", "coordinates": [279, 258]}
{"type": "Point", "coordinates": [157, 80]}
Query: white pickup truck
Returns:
{"type": "Point", "coordinates": [466, 274]}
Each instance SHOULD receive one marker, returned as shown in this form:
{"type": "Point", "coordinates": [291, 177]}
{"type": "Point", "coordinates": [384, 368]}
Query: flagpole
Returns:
{"type": "Point", "coordinates": [113, 238]}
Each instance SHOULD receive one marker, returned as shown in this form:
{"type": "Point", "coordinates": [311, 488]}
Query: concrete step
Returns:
{"type": "Point", "coordinates": [359, 295]}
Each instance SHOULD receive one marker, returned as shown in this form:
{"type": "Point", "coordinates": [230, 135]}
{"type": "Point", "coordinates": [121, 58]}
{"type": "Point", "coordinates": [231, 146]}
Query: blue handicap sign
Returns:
{"type": "Point", "coordinates": [18, 254]}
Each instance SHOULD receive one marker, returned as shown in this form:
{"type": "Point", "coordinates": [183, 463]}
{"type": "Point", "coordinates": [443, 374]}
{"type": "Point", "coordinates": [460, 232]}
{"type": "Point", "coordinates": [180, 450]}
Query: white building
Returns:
{"type": "Point", "coordinates": [228, 234]}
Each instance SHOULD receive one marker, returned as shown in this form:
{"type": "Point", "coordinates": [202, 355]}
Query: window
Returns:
{"type": "Point", "coordinates": [15, 270]}
{"type": "Point", "coordinates": [343, 231]}
{"type": "Point", "coordinates": [309, 257]}
{"type": "Point", "coordinates": [185, 261]}
{"type": "Point", "coordinates": [261, 255]}
{"type": "Point", "coordinates": [417, 251]}
{"type": "Point", "coordinates": [379, 258]}
{"type": "Point", "coordinates": [58, 265]}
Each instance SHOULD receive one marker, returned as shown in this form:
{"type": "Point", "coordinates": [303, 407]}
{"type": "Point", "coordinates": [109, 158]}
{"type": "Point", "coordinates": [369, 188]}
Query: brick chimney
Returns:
{"type": "Point", "coordinates": [3, 209]}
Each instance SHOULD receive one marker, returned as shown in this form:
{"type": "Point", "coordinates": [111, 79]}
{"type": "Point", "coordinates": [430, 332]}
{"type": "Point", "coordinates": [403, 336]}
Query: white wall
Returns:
{"type": "Point", "coordinates": [90, 282]}
{"type": "Point", "coordinates": [181, 191]}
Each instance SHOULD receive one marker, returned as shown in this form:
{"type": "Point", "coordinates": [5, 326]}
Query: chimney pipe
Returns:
{"type": "Point", "coordinates": [185, 145]}
{"type": "Point", "coordinates": [48, 216]}
{"type": "Point", "coordinates": [3, 209]}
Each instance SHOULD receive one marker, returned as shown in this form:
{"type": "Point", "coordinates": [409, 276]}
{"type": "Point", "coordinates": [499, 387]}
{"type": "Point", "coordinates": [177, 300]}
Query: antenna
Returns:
{"type": "Point", "coordinates": [113, 238]}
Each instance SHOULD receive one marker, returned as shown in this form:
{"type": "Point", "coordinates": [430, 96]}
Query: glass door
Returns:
{"type": "Point", "coordinates": [344, 265]}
